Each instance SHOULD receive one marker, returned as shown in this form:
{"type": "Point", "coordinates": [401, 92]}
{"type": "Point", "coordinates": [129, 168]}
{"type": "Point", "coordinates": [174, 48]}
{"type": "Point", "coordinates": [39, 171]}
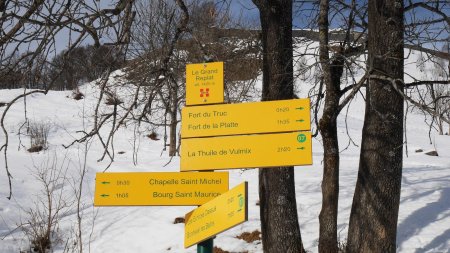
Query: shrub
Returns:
{"type": "Point", "coordinates": [77, 95]}
{"type": "Point", "coordinates": [51, 203]}
{"type": "Point", "coordinates": [38, 132]}
{"type": "Point", "coordinates": [113, 100]}
{"type": "Point", "coordinates": [153, 136]}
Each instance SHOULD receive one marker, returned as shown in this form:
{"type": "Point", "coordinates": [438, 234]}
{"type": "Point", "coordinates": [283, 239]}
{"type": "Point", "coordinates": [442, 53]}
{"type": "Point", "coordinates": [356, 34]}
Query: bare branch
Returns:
{"type": "Point", "coordinates": [425, 82]}
{"type": "Point", "coordinates": [394, 83]}
{"type": "Point", "coordinates": [355, 88]}
{"type": "Point", "coordinates": [436, 53]}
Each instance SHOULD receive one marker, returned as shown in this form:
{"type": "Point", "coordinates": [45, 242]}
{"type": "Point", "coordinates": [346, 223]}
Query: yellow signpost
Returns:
{"type": "Point", "coordinates": [233, 136]}
{"type": "Point", "coordinates": [158, 188]}
{"type": "Point", "coordinates": [246, 118]}
{"type": "Point", "coordinates": [246, 151]}
{"type": "Point", "coordinates": [204, 83]}
{"type": "Point", "coordinates": [224, 212]}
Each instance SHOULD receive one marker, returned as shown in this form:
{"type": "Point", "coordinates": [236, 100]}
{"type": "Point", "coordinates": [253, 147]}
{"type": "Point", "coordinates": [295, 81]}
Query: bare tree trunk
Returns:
{"type": "Point", "coordinates": [332, 72]}
{"type": "Point", "coordinates": [437, 108]}
{"type": "Point", "coordinates": [374, 214]}
{"type": "Point", "coordinates": [440, 126]}
{"type": "Point", "coordinates": [278, 208]}
{"type": "Point", "coordinates": [173, 120]}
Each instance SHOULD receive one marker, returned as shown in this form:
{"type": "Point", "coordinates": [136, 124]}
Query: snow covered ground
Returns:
{"type": "Point", "coordinates": [424, 219]}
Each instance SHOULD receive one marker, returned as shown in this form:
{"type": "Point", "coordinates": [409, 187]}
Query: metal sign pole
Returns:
{"type": "Point", "coordinates": [206, 246]}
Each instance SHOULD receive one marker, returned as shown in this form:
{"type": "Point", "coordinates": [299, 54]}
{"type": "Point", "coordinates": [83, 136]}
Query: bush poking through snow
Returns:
{"type": "Point", "coordinates": [38, 132]}
{"type": "Point", "coordinates": [35, 149]}
{"type": "Point", "coordinates": [77, 95]}
{"type": "Point", "coordinates": [113, 100]}
{"type": "Point", "coordinates": [41, 244]}
{"type": "Point", "coordinates": [178, 220]}
{"type": "Point", "coordinates": [153, 136]}
{"type": "Point", "coordinates": [50, 205]}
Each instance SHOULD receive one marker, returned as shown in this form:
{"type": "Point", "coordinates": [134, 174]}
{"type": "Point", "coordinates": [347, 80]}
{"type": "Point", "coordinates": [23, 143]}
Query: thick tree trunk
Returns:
{"type": "Point", "coordinates": [279, 219]}
{"type": "Point", "coordinates": [373, 219]}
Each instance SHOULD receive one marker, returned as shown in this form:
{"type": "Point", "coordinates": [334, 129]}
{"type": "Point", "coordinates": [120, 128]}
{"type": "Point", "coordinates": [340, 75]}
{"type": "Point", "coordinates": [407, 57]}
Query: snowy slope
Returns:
{"type": "Point", "coordinates": [424, 219]}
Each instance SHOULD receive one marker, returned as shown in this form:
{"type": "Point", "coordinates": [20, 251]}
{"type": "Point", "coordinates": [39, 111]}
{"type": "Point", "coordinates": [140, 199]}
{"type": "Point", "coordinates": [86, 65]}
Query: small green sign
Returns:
{"type": "Point", "coordinates": [301, 138]}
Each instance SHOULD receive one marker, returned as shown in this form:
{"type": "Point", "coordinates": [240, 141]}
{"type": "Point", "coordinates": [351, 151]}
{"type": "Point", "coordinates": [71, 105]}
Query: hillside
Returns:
{"type": "Point", "coordinates": [424, 216]}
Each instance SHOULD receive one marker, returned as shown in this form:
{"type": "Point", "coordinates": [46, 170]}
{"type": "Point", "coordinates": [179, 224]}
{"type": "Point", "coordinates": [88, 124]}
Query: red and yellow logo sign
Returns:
{"type": "Point", "coordinates": [204, 83]}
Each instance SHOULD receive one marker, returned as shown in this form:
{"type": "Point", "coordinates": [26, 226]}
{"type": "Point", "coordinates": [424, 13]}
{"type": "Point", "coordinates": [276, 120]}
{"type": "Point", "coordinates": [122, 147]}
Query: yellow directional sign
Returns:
{"type": "Point", "coordinates": [246, 151]}
{"type": "Point", "coordinates": [158, 188]}
{"type": "Point", "coordinates": [204, 83]}
{"type": "Point", "coordinates": [224, 212]}
{"type": "Point", "coordinates": [246, 118]}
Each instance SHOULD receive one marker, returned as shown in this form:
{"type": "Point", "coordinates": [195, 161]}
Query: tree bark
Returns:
{"type": "Point", "coordinates": [278, 208]}
{"type": "Point", "coordinates": [332, 72]}
{"type": "Point", "coordinates": [173, 119]}
{"type": "Point", "coordinates": [373, 218]}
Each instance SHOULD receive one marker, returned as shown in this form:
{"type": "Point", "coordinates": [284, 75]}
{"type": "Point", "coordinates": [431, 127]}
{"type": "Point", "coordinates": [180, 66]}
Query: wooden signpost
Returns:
{"type": "Point", "coordinates": [224, 212]}
{"type": "Point", "coordinates": [158, 188]}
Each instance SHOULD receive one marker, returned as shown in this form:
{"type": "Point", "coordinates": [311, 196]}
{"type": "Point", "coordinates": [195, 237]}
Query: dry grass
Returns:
{"type": "Point", "coordinates": [250, 237]}
{"type": "Point", "coordinates": [219, 250]}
